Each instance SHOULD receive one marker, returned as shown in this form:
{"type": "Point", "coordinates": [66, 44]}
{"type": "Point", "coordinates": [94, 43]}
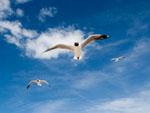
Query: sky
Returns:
{"type": "Point", "coordinates": [93, 84]}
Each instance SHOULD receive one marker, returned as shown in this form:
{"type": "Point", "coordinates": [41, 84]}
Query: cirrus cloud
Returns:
{"type": "Point", "coordinates": [34, 43]}
{"type": "Point", "coordinates": [47, 12]}
{"type": "Point", "coordinates": [22, 1]}
{"type": "Point", "coordinates": [5, 8]}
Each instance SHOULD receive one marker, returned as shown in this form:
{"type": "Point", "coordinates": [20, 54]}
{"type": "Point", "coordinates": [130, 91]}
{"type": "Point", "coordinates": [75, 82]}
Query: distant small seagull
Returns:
{"type": "Point", "coordinates": [77, 47]}
{"type": "Point", "coordinates": [37, 82]}
{"type": "Point", "coordinates": [117, 59]}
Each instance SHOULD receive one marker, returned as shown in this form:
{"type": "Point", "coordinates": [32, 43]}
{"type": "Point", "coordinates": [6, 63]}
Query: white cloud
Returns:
{"type": "Point", "coordinates": [140, 48]}
{"type": "Point", "coordinates": [16, 29]}
{"type": "Point", "coordinates": [47, 12]}
{"type": "Point", "coordinates": [22, 1]}
{"type": "Point", "coordinates": [13, 40]}
{"type": "Point", "coordinates": [34, 43]}
{"type": "Point", "coordinates": [15, 33]}
{"type": "Point", "coordinates": [5, 8]}
{"type": "Point", "coordinates": [89, 79]}
{"type": "Point", "coordinates": [19, 12]}
{"type": "Point", "coordinates": [47, 39]}
{"type": "Point", "coordinates": [50, 107]}
{"type": "Point", "coordinates": [134, 104]}
{"type": "Point", "coordinates": [138, 27]}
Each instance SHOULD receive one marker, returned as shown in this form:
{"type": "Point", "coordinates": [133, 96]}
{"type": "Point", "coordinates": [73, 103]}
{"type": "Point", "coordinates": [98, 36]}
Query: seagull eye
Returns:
{"type": "Point", "coordinates": [76, 44]}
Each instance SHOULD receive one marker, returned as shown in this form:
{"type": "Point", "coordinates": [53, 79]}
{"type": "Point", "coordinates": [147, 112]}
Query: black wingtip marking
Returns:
{"type": "Point", "coordinates": [45, 51]}
{"type": "Point", "coordinates": [104, 36]}
{"type": "Point", "coordinates": [28, 86]}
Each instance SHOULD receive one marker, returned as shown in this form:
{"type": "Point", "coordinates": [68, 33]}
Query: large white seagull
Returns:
{"type": "Point", "coordinates": [77, 47]}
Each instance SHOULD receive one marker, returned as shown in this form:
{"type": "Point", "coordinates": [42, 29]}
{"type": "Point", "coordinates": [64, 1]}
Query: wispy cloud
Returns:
{"type": "Point", "coordinates": [34, 43]}
{"type": "Point", "coordinates": [114, 71]}
{"type": "Point", "coordinates": [16, 29]}
{"type": "Point", "coordinates": [138, 27]}
{"type": "Point", "coordinates": [47, 12]}
{"type": "Point", "coordinates": [119, 76]}
{"type": "Point", "coordinates": [22, 1]}
{"type": "Point", "coordinates": [5, 8]}
{"type": "Point", "coordinates": [50, 106]}
{"type": "Point", "coordinates": [19, 12]}
{"type": "Point", "coordinates": [89, 79]}
{"type": "Point", "coordinates": [13, 40]}
{"type": "Point", "coordinates": [136, 103]}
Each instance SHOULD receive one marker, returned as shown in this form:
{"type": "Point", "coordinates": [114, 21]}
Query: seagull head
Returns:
{"type": "Point", "coordinates": [76, 44]}
{"type": "Point", "coordinates": [38, 80]}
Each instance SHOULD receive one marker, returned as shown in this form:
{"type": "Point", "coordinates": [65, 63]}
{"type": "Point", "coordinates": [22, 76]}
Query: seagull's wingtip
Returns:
{"type": "Point", "coordinates": [108, 36]}
{"type": "Point", "coordinates": [105, 36]}
{"type": "Point", "coordinates": [28, 86]}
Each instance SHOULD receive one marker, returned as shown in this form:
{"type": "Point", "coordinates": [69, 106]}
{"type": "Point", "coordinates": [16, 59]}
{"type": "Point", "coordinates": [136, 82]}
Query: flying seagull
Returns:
{"type": "Point", "coordinates": [77, 47]}
{"type": "Point", "coordinates": [37, 82]}
{"type": "Point", "coordinates": [117, 59]}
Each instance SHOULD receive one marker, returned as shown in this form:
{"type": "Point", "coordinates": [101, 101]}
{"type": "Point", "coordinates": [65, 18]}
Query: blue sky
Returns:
{"type": "Point", "coordinates": [94, 84]}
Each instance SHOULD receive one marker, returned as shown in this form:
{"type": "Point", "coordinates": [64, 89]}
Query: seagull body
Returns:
{"type": "Point", "coordinates": [37, 82]}
{"type": "Point", "coordinates": [117, 59]}
{"type": "Point", "coordinates": [77, 51]}
{"type": "Point", "coordinates": [77, 47]}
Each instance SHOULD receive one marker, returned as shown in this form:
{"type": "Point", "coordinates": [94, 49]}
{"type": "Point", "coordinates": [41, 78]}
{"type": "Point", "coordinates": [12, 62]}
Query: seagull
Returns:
{"type": "Point", "coordinates": [37, 82]}
{"type": "Point", "coordinates": [117, 59]}
{"type": "Point", "coordinates": [77, 47]}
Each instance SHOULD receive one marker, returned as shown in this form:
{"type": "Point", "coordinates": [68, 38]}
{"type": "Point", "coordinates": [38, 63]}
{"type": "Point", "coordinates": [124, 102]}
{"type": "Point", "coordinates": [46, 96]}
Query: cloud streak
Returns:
{"type": "Point", "coordinates": [47, 12]}
{"type": "Point", "coordinates": [22, 1]}
{"type": "Point", "coordinates": [5, 9]}
{"type": "Point", "coordinates": [134, 57]}
{"type": "Point", "coordinates": [19, 12]}
{"type": "Point", "coordinates": [136, 103]}
{"type": "Point", "coordinates": [34, 43]}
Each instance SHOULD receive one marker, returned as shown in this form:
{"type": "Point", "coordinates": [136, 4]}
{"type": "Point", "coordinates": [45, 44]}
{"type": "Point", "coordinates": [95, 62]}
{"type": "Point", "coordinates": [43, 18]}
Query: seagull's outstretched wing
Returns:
{"type": "Point", "coordinates": [44, 81]}
{"type": "Point", "coordinates": [121, 57]}
{"type": "Point", "coordinates": [30, 83]}
{"type": "Point", "coordinates": [113, 59]}
{"type": "Point", "coordinates": [61, 46]}
{"type": "Point", "coordinates": [93, 38]}
{"type": "Point", "coordinates": [117, 59]}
